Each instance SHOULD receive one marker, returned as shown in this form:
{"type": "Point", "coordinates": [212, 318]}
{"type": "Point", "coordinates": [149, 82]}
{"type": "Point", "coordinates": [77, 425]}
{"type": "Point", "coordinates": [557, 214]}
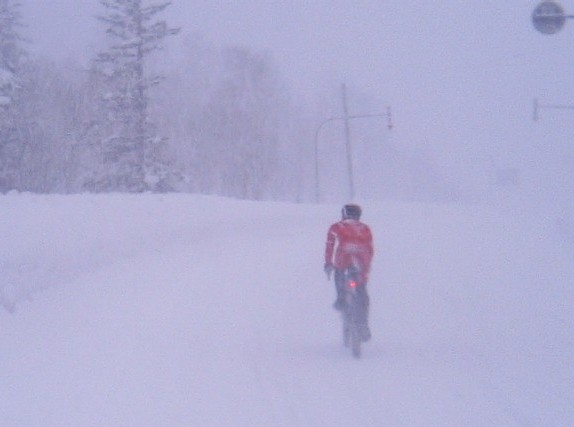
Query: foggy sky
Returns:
{"type": "Point", "coordinates": [460, 76]}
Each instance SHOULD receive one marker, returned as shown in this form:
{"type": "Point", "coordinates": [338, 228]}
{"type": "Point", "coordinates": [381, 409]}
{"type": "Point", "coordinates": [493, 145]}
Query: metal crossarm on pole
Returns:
{"type": "Point", "coordinates": [538, 107]}
{"type": "Point", "coordinates": [332, 119]}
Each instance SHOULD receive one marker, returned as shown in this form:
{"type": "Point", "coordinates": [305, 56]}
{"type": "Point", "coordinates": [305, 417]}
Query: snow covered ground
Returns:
{"type": "Point", "coordinates": [182, 310]}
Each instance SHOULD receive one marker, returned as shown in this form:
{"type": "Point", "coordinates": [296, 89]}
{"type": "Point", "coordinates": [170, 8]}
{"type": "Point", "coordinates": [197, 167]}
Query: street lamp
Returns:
{"type": "Point", "coordinates": [349, 162]}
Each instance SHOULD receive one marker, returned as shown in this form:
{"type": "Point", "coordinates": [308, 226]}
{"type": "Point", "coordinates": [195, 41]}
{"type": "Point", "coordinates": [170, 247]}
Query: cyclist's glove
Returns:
{"type": "Point", "coordinates": [328, 270]}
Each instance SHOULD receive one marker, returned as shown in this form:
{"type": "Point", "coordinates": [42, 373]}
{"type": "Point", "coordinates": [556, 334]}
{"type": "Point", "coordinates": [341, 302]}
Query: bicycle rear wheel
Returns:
{"type": "Point", "coordinates": [355, 343]}
{"type": "Point", "coordinates": [346, 333]}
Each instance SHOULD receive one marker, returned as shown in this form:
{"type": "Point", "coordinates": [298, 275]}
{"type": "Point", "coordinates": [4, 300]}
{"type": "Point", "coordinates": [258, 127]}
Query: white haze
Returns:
{"type": "Point", "coordinates": [185, 310]}
{"type": "Point", "coordinates": [460, 76]}
{"type": "Point", "coordinates": [472, 303]}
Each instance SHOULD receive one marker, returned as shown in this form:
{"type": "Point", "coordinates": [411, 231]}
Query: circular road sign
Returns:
{"type": "Point", "coordinates": [548, 17]}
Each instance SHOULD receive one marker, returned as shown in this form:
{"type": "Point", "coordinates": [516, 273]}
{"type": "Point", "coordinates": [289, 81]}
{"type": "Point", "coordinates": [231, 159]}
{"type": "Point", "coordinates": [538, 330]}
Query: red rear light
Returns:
{"type": "Point", "coordinates": [353, 284]}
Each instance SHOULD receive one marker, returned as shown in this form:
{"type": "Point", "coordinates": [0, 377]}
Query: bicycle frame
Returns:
{"type": "Point", "coordinates": [354, 313]}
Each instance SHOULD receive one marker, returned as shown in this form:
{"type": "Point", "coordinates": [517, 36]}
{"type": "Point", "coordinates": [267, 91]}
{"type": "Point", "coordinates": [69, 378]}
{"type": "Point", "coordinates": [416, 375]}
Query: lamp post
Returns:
{"type": "Point", "coordinates": [349, 162]}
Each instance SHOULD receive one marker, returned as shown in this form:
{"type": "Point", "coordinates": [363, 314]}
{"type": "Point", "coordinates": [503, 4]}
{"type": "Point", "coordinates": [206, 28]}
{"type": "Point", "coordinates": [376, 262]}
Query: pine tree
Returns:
{"type": "Point", "coordinates": [12, 55]}
{"type": "Point", "coordinates": [11, 51]}
{"type": "Point", "coordinates": [131, 151]}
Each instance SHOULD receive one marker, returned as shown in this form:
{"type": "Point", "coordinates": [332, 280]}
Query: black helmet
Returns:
{"type": "Point", "coordinates": [351, 212]}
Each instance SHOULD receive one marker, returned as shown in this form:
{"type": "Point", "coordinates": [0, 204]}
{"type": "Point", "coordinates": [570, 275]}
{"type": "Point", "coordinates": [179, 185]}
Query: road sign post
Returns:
{"type": "Point", "coordinates": [549, 17]}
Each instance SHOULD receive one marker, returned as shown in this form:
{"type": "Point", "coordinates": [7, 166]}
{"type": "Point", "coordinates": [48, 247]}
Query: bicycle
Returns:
{"type": "Point", "coordinates": [354, 312]}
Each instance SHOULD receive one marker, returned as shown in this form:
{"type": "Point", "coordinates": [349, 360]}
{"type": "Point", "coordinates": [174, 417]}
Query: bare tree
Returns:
{"type": "Point", "coordinates": [237, 132]}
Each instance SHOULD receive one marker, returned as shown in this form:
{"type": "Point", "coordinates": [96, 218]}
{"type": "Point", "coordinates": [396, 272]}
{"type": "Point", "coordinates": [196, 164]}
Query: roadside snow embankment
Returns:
{"type": "Point", "coordinates": [50, 240]}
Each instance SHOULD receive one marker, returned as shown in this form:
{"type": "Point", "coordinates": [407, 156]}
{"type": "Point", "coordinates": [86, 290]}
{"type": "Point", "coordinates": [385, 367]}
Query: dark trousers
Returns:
{"type": "Point", "coordinates": [361, 289]}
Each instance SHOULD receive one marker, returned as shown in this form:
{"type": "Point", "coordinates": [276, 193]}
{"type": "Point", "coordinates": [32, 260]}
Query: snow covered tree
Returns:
{"type": "Point", "coordinates": [131, 151]}
{"type": "Point", "coordinates": [12, 55]}
{"type": "Point", "coordinates": [11, 51]}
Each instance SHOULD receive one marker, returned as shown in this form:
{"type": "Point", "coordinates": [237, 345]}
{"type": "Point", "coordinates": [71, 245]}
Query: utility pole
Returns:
{"type": "Point", "coordinates": [348, 143]}
{"type": "Point", "coordinates": [346, 118]}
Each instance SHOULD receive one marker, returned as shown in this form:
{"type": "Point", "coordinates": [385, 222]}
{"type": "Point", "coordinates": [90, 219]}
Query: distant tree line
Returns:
{"type": "Point", "coordinates": [215, 120]}
{"type": "Point", "coordinates": [119, 126]}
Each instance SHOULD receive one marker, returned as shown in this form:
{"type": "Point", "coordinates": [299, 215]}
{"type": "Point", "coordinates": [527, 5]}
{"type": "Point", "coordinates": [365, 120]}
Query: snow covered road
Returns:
{"type": "Point", "coordinates": [186, 310]}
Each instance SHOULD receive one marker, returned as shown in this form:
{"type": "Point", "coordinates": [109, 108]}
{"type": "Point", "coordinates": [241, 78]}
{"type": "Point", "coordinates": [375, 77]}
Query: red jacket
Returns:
{"type": "Point", "coordinates": [350, 242]}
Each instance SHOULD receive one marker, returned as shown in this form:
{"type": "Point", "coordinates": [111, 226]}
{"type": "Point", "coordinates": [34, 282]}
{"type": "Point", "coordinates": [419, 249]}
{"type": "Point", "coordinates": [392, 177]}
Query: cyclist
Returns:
{"type": "Point", "coordinates": [349, 244]}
